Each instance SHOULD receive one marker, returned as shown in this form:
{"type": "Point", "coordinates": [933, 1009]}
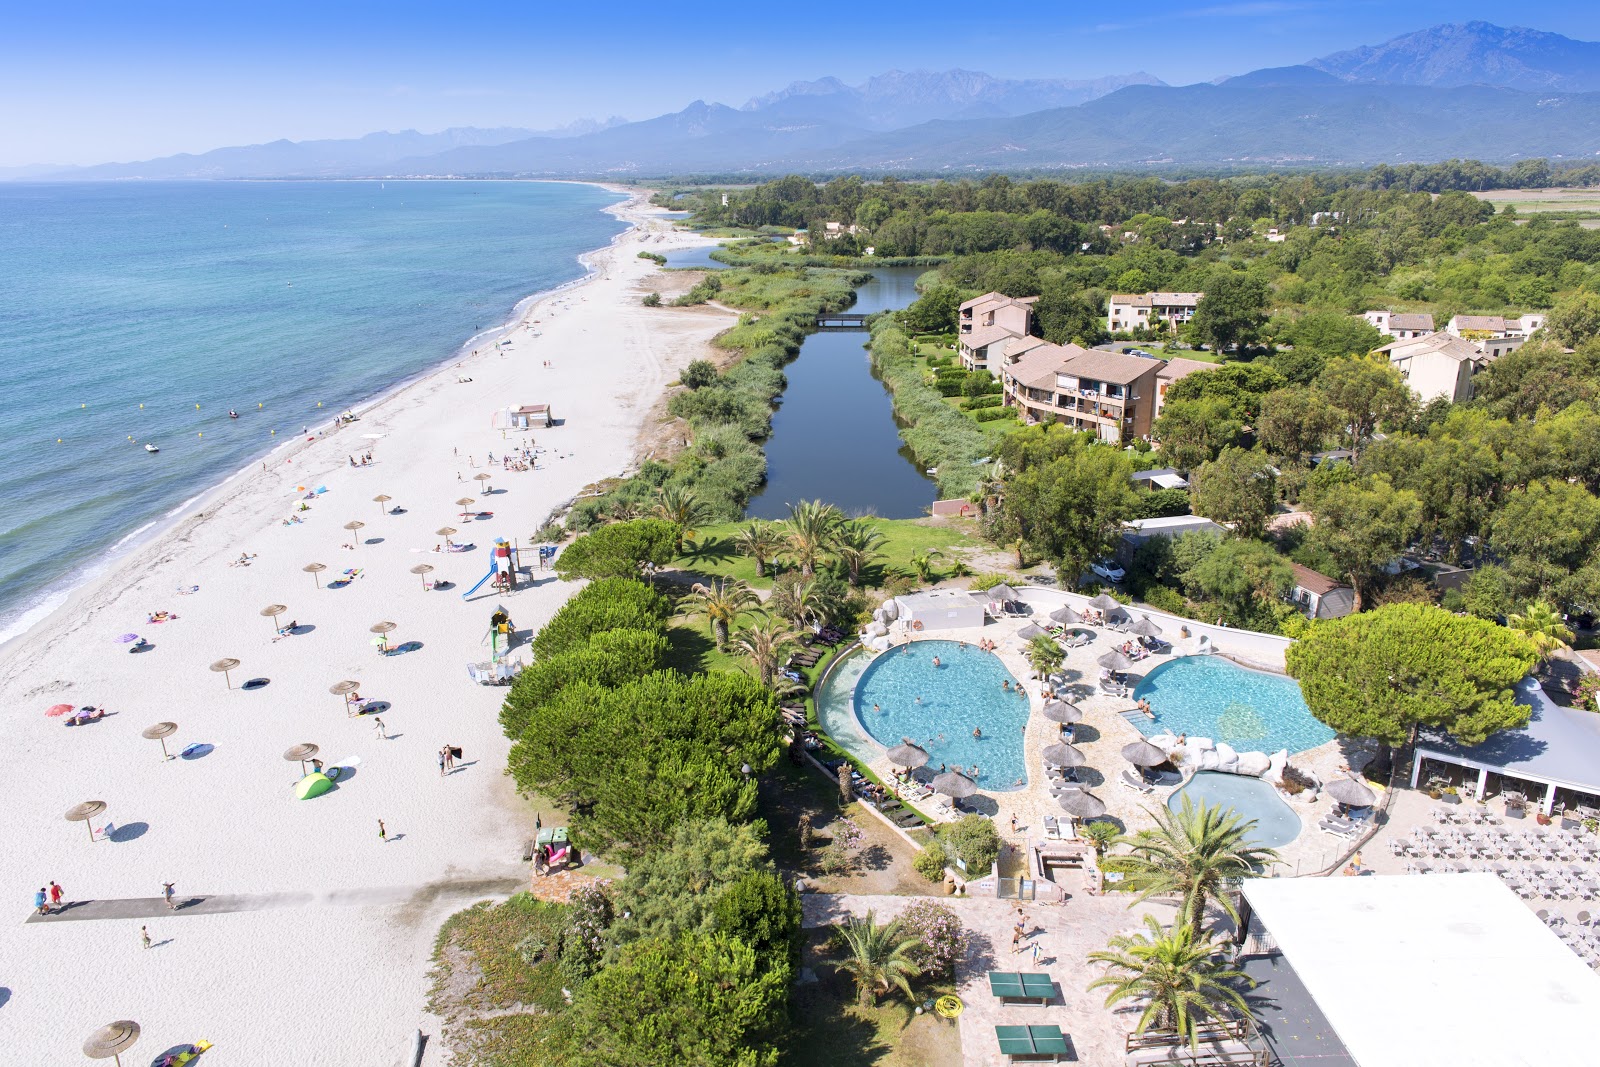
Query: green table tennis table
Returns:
{"type": "Point", "coordinates": [1031, 1042]}
{"type": "Point", "coordinates": [1017, 985]}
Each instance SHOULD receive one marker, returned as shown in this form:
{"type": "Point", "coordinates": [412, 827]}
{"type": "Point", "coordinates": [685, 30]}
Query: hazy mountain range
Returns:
{"type": "Point", "coordinates": [1472, 90]}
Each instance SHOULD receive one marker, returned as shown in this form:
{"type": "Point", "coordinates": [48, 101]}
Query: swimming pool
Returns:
{"type": "Point", "coordinates": [1207, 696]}
{"type": "Point", "coordinates": [1276, 822]}
{"type": "Point", "coordinates": [965, 692]}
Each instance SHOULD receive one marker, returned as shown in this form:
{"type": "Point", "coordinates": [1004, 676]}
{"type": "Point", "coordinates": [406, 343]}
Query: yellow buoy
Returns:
{"type": "Point", "coordinates": [197, 407]}
{"type": "Point", "coordinates": [259, 405]}
{"type": "Point", "coordinates": [141, 407]}
{"type": "Point", "coordinates": [201, 434]}
{"type": "Point", "coordinates": [319, 403]}
{"type": "Point", "coordinates": [83, 405]}
{"type": "Point", "coordinates": [58, 440]}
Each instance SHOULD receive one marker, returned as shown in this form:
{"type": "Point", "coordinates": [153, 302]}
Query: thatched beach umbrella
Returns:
{"type": "Point", "coordinates": [954, 784]}
{"type": "Point", "coordinates": [344, 688]}
{"type": "Point", "coordinates": [1002, 593]}
{"type": "Point", "coordinates": [381, 500]}
{"type": "Point", "coordinates": [1143, 754]}
{"type": "Point", "coordinates": [1115, 661]}
{"type": "Point", "coordinates": [300, 753]}
{"type": "Point", "coordinates": [465, 503]}
{"type": "Point", "coordinates": [1145, 628]}
{"type": "Point", "coordinates": [1061, 711]}
{"type": "Point", "coordinates": [353, 525]}
{"type": "Point", "coordinates": [1065, 616]}
{"type": "Point", "coordinates": [160, 732]}
{"type": "Point", "coordinates": [1081, 804]}
{"type": "Point", "coordinates": [1104, 602]}
{"type": "Point", "coordinates": [314, 569]}
{"type": "Point", "coordinates": [908, 755]}
{"type": "Point", "coordinates": [223, 666]}
{"type": "Point", "coordinates": [111, 1040]}
{"type": "Point", "coordinates": [1029, 631]}
{"type": "Point", "coordinates": [87, 812]}
{"type": "Point", "coordinates": [272, 611]}
{"type": "Point", "coordinates": [382, 627]}
{"type": "Point", "coordinates": [445, 532]}
{"type": "Point", "coordinates": [1064, 755]}
{"type": "Point", "coordinates": [423, 569]}
{"type": "Point", "coordinates": [1350, 792]}
{"type": "Point", "coordinates": [483, 479]}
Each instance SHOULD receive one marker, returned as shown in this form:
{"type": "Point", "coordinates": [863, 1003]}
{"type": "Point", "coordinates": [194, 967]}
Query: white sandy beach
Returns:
{"type": "Point", "coordinates": [327, 964]}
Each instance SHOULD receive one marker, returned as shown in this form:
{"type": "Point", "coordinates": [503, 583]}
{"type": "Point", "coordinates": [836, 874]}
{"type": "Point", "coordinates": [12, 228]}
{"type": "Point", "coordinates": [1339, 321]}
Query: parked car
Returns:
{"type": "Point", "coordinates": [1108, 570]}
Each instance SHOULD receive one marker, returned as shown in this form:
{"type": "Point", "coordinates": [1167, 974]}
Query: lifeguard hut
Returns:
{"type": "Point", "coordinates": [526, 417]}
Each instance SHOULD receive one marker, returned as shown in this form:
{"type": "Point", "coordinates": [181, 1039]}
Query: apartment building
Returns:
{"type": "Point", "coordinates": [1130, 311]}
{"type": "Point", "coordinates": [1440, 365]}
{"type": "Point", "coordinates": [1175, 370]}
{"type": "Point", "coordinates": [1106, 393]}
{"type": "Point", "coordinates": [985, 323]}
{"type": "Point", "coordinates": [1401, 326]}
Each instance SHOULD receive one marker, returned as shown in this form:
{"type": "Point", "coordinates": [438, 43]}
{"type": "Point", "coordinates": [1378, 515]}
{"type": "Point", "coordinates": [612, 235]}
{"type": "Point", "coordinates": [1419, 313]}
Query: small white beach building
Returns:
{"type": "Point", "coordinates": [940, 609]}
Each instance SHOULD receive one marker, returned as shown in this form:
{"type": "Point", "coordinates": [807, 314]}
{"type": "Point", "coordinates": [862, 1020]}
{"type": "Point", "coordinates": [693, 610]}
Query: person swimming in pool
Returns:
{"type": "Point", "coordinates": [936, 661]}
{"type": "Point", "coordinates": [977, 733]}
{"type": "Point", "coordinates": [1006, 685]}
{"type": "Point", "coordinates": [876, 708]}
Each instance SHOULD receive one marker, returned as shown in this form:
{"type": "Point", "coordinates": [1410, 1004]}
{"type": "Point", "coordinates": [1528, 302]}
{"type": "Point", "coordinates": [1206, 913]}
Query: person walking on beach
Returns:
{"type": "Point", "coordinates": [443, 755]}
{"type": "Point", "coordinates": [144, 935]}
{"type": "Point", "coordinates": [55, 895]}
{"type": "Point", "coordinates": [168, 894]}
{"type": "Point", "coordinates": [449, 758]}
{"type": "Point", "coordinates": [383, 835]}
{"type": "Point", "coordinates": [377, 724]}
{"type": "Point", "coordinates": [41, 902]}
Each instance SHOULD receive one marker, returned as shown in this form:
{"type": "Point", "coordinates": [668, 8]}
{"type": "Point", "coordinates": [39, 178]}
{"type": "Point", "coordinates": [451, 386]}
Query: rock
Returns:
{"type": "Point", "coordinates": [1279, 760]}
{"type": "Point", "coordinates": [1208, 760]}
{"type": "Point", "coordinates": [807, 977]}
{"type": "Point", "coordinates": [878, 644]}
{"type": "Point", "coordinates": [1254, 764]}
{"type": "Point", "coordinates": [1166, 740]}
{"type": "Point", "coordinates": [876, 629]}
{"type": "Point", "coordinates": [1227, 758]}
{"type": "Point", "coordinates": [878, 616]}
{"type": "Point", "coordinates": [1201, 743]}
{"type": "Point", "coordinates": [890, 609]}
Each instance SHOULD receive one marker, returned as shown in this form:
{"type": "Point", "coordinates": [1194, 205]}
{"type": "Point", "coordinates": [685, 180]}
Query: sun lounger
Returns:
{"type": "Point", "coordinates": [1133, 781]}
{"type": "Point", "coordinates": [1338, 827]}
{"type": "Point", "coordinates": [1052, 826]}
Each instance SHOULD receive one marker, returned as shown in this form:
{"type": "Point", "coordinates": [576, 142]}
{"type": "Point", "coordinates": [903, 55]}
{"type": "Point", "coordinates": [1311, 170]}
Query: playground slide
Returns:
{"type": "Point", "coordinates": [493, 570]}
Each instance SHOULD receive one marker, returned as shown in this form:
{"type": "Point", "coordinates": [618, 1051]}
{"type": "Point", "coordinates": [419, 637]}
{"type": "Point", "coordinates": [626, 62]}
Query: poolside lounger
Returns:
{"type": "Point", "coordinates": [1337, 827]}
{"type": "Point", "coordinates": [1133, 781]}
{"type": "Point", "coordinates": [1052, 826]}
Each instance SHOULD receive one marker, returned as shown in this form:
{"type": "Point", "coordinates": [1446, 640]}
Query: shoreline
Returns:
{"type": "Point", "coordinates": [60, 594]}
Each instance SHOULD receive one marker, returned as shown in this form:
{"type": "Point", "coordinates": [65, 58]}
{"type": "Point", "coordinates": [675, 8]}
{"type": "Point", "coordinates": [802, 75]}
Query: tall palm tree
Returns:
{"type": "Point", "coordinates": [1044, 655]}
{"type": "Point", "coordinates": [1543, 626]}
{"type": "Point", "coordinates": [1197, 853]}
{"type": "Point", "coordinates": [721, 602]}
{"type": "Point", "coordinates": [761, 541]}
{"type": "Point", "coordinates": [677, 505]}
{"type": "Point", "coordinates": [796, 601]}
{"type": "Point", "coordinates": [922, 563]}
{"type": "Point", "coordinates": [856, 544]}
{"type": "Point", "coordinates": [765, 644]}
{"type": "Point", "coordinates": [879, 957]}
{"type": "Point", "coordinates": [1177, 972]}
{"type": "Point", "coordinates": [811, 528]}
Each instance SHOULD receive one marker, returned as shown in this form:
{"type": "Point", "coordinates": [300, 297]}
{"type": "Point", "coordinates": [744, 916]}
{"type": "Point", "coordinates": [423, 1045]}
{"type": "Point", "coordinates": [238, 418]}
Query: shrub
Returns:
{"type": "Point", "coordinates": [651, 300]}
{"type": "Point", "coordinates": [1165, 598]}
{"type": "Point", "coordinates": [551, 532]}
{"type": "Point", "coordinates": [615, 551]}
{"type": "Point", "coordinates": [990, 579]}
{"type": "Point", "coordinates": [987, 400]}
{"type": "Point", "coordinates": [974, 840]}
{"type": "Point", "coordinates": [1162, 503]}
{"type": "Point", "coordinates": [977, 383]}
{"type": "Point", "coordinates": [655, 257]}
{"type": "Point", "coordinates": [931, 861]}
{"type": "Point", "coordinates": [943, 938]}
{"type": "Point", "coordinates": [1296, 781]}
{"type": "Point", "coordinates": [609, 658]}
{"type": "Point", "coordinates": [698, 374]}
{"type": "Point", "coordinates": [994, 414]}
{"type": "Point", "coordinates": [608, 604]}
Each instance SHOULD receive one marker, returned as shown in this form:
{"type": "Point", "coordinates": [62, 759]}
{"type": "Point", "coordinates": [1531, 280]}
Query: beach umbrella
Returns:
{"type": "Point", "coordinates": [381, 499]}
{"type": "Point", "coordinates": [344, 688]}
{"type": "Point", "coordinates": [272, 611]}
{"type": "Point", "coordinates": [1081, 804]}
{"type": "Point", "coordinates": [465, 504]}
{"type": "Point", "coordinates": [1104, 603]}
{"type": "Point", "coordinates": [353, 525]}
{"type": "Point", "coordinates": [445, 532]}
{"type": "Point", "coordinates": [223, 666]}
{"type": "Point", "coordinates": [1061, 711]}
{"type": "Point", "coordinates": [1064, 755]}
{"type": "Point", "coordinates": [314, 569]}
{"type": "Point", "coordinates": [1065, 616]}
{"type": "Point", "coordinates": [484, 479]}
{"type": "Point", "coordinates": [300, 753]}
{"type": "Point", "coordinates": [1115, 661]}
{"type": "Point", "coordinates": [312, 785]}
{"type": "Point", "coordinates": [1351, 792]}
{"type": "Point", "coordinates": [1143, 754]}
{"type": "Point", "coordinates": [382, 627]}
{"type": "Point", "coordinates": [1029, 631]}
{"type": "Point", "coordinates": [111, 1040]}
{"type": "Point", "coordinates": [160, 732]}
{"type": "Point", "coordinates": [423, 569]}
{"type": "Point", "coordinates": [86, 812]}
{"type": "Point", "coordinates": [1002, 593]}
{"type": "Point", "coordinates": [126, 639]}
{"type": "Point", "coordinates": [57, 709]}
{"type": "Point", "coordinates": [1145, 628]}
{"type": "Point", "coordinates": [908, 755]}
{"type": "Point", "coordinates": [954, 784]}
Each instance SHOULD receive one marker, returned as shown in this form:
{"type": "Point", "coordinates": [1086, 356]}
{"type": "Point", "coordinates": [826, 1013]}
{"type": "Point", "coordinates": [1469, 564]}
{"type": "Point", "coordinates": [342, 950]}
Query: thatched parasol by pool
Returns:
{"type": "Point", "coordinates": [1064, 755]}
{"type": "Point", "coordinates": [1104, 602]}
{"type": "Point", "coordinates": [483, 479]}
{"type": "Point", "coordinates": [272, 611]}
{"type": "Point", "coordinates": [1350, 792]}
{"type": "Point", "coordinates": [314, 569]}
{"type": "Point", "coordinates": [1061, 711]}
{"type": "Point", "coordinates": [1081, 804]}
{"type": "Point", "coordinates": [1029, 631]}
{"type": "Point", "coordinates": [1065, 616]}
{"type": "Point", "coordinates": [1115, 661]}
{"type": "Point", "coordinates": [87, 812]}
{"type": "Point", "coordinates": [111, 1040]}
{"type": "Point", "coordinates": [382, 499]}
{"type": "Point", "coordinates": [423, 569]}
{"type": "Point", "coordinates": [1145, 628]}
{"type": "Point", "coordinates": [1002, 593]}
{"type": "Point", "coordinates": [1143, 754]}
{"type": "Point", "coordinates": [954, 784]}
{"type": "Point", "coordinates": [300, 753]}
{"type": "Point", "coordinates": [353, 525]}
{"type": "Point", "coordinates": [344, 688]}
{"type": "Point", "coordinates": [908, 755]}
{"type": "Point", "coordinates": [223, 666]}
{"type": "Point", "coordinates": [160, 732]}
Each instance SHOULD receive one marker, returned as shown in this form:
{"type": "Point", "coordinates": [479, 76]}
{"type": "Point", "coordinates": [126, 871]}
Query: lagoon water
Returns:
{"type": "Point", "coordinates": [129, 304]}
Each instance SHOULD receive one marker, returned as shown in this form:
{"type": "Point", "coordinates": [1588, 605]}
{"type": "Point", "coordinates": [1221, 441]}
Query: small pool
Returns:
{"type": "Point", "coordinates": [1208, 696]}
{"type": "Point", "coordinates": [1276, 822]}
{"type": "Point", "coordinates": [965, 692]}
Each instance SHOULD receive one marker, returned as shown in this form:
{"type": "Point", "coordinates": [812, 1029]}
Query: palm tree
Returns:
{"type": "Point", "coordinates": [796, 601]}
{"type": "Point", "coordinates": [1541, 625]}
{"type": "Point", "coordinates": [677, 505]}
{"type": "Point", "coordinates": [811, 527]}
{"type": "Point", "coordinates": [721, 602]}
{"type": "Point", "coordinates": [879, 957]}
{"type": "Point", "coordinates": [856, 544]}
{"type": "Point", "coordinates": [1177, 973]}
{"type": "Point", "coordinates": [1194, 852]}
{"type": "Point", "coordinates": [765, 644]}
{"type": "Point", "coordinates": [761, 541]}
{"type": "Point", "coordinates": [1044, 655]}
{"type": "Point", "coordinates": [922, 563]}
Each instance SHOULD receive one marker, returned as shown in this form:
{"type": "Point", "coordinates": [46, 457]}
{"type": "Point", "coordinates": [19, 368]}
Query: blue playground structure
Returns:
{"type": "Point", "coordinates": [502, 568]}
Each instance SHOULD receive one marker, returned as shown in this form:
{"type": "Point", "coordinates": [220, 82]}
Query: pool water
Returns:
{"type": "Point", "coordinates": [1276, 822]}
{"type": "Point", "coordinates": [1207, 696]}
{"type": "Point", "coordinates": [962, 694]}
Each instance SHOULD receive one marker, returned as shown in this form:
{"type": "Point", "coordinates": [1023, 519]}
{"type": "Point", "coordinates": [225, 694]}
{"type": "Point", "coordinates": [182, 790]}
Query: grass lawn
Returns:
{"type": "Point", "coordinates": [715, 555]}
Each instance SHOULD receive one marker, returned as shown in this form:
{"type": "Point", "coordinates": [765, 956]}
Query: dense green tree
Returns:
{"type": "Point", "coordinates": [1179, 978]}
{"type": "Point", "coordinates": [1362, 527]}
{"type": "Point", "coordinates": [1194, 432]}
{"type": "Point", "coordinates": [1241, 385]}
{"type": "Point", "coordinates": [1546, 533]}
{"type": "Point", "coordinates": [609, 658]}
{"type": "Point", "coordinates": [1538, 375]}
{"type": "Point", "coordinates": [606, 604]}
{"type": "Point", "coordinates": [1365, 392]}
{"type": "Point", "coordinates": [763, 912]}
{"type": "Point", "coordinates": [617, 550]}
{"type": "Point", "coordinates": [1575, 319]}
{"type": "Point", "coordinates": [934, 311]}
{"type": "Point", "coordinates": [1232, 311]}
{"type": "Point", "coordinates": [1384, 673]}
{"type": "Point", "coordinates": [1237, 487]}
{"type": "Point", "coordinates": [675, 887]}
{"type": "Point", "coordinates": [878, 957]}
{"type": "Point", "coordinates": [1491, 593]}
{"type": "Point", "coordinates": [1071, 509]}
{"type": "Point", "coordinates": [1244, 576]}
{"type": "Point", "coordinates": [1295, 422]}
{"type": "Point", "coordinates": [1330, 334]}
{"type": "Point", "coordinates": [1196, 853]}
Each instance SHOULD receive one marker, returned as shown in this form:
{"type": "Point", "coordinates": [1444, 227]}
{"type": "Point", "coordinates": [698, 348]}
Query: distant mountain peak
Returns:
{"type": "Point", "coordinates": [1473, 53]}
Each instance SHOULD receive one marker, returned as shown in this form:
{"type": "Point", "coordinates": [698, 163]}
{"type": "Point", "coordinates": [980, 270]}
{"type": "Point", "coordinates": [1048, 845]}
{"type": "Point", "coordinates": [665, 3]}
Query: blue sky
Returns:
{"type": "Point", "coordinates": [99, 81]}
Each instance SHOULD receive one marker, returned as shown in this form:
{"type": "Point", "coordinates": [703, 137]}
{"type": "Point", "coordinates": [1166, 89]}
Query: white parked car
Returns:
{"type": "Point", "coordinates": [1108, 570]}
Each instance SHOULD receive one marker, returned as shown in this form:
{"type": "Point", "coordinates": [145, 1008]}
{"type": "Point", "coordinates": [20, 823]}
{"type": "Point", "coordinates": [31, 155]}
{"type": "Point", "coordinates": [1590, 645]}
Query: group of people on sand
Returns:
{"type": "Point", "coordinates": [160, 616]}
{"type": "Point", "coordinates": [365, 458]}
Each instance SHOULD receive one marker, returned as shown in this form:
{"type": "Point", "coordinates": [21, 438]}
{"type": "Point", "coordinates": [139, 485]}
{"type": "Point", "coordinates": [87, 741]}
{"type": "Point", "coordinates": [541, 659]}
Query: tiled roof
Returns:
{"type": "Point", "coordinates": [1443, 343]}
{"type": "Point", "coordinates": [1492, 323]}
{"type": "Point", "coordinates": [1178, 367]}
{"type": "Point", "coordinates": [1313, 581]}
{"type": "Point", "coordinates": [1411, 322]}
{"type": "Point", "coordinates": [987, 335]}
{"type": "Point", "coordinates": [1112, 367]}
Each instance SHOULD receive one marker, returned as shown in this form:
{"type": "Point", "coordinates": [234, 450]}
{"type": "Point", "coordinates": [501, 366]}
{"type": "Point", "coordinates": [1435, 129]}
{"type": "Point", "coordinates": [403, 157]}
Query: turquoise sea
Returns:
{"type": "Point", "coordinates": [143, 311]}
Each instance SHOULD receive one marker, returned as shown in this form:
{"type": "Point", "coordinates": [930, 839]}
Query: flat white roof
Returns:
{"type": "Point", "coordinates": [1173, 522]}
{"type": "Point", "coordinates": [1433, 970]}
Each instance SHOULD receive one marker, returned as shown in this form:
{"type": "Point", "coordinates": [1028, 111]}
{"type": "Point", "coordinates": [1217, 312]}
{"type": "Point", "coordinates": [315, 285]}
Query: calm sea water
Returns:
{"type": "Point", "coordinates": [138, 312]}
